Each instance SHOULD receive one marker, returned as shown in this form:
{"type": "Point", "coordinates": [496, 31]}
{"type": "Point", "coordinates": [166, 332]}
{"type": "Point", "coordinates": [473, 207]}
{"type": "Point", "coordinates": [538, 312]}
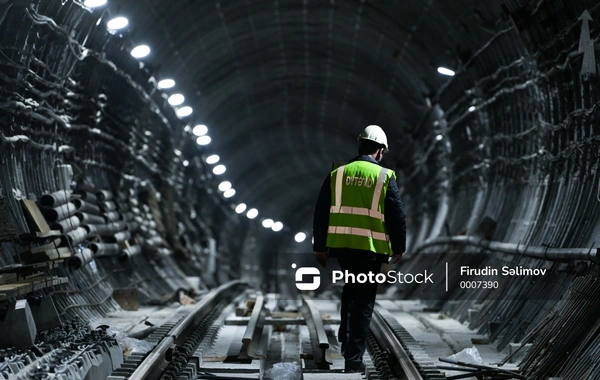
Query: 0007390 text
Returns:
{"type": "Point", "coordinates": [479, 284]}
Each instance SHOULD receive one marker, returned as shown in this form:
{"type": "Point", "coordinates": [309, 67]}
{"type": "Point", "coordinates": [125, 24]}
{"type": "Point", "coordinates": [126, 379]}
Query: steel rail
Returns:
{"type": "Point", "coordinates": [154, 364]}
{"type": "Point", "coordinates": [254, 331]}
{"type": "Point", "coordinates": [383, 333]}
{"type": "Point", "coordinates": [318, 336]}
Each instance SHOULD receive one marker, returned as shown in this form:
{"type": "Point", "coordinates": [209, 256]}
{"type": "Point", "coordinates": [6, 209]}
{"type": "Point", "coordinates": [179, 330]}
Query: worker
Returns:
{"type": "Point", "coordinates": [359, 219]}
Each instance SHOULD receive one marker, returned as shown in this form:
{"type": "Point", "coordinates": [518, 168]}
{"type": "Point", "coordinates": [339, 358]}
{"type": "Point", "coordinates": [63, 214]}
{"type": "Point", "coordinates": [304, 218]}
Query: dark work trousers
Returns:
{"type": "Point", "coordinates": [358, 302]}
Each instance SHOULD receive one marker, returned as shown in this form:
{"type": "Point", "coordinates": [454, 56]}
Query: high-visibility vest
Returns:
{"type": "Point", "coordinates": [356, 217]}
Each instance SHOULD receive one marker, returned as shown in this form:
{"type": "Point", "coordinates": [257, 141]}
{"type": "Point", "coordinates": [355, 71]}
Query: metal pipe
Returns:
{"type": "Point", "coordinates": [110, 229]}
{"type": "Point", "coordinates": [90, 219]}
{"type": "Point", "coordinates": [108, 206]}
{"type": "Point", "coordinates": [101, 249]}
{"type": "Point", "coordinates": [59, 213]}
{"type": "Point", "coordinates": [55, 199]}
{"type": "Point", "coordinates": [77, 236]}
{"type": "Point", "coordinates": [128, 253]}
{"type": "Point", "coordinates": [91, 229]}
{"type": "Point", "coordinates": [118, 226]}
{"type": "Point", "coordinates": [66, 225]}
{"type": "Point", "coordinates": [104, 195]}
{"type": "Point", "coordinates": [87, 196]}
{"type": "Point", "coordinates": [81, 258]}
{"type": "Point", "coordinates": [103, 230]}
{"type": "Point", "coordinates": [83, 206]}
{"type": "Point", "coordinates": [546, 253]}
{"type": "Point", "coordinates": [122, 236]}
{"type": "Point", "coordinates": [112, 216]}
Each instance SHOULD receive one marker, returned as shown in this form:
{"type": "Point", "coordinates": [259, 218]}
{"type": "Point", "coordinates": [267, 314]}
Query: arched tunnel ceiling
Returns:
{"type": "Point", "coordinates": [285, 86]}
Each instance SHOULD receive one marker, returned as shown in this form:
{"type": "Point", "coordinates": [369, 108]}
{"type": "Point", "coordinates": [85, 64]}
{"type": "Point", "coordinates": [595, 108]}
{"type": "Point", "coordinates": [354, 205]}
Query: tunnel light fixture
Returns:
{"type": "Point", "coordinates": [252, 213]}
{"type": "Point", "coordinates": [184, 111]}
{"type": "Point", "coordinates": [187, 128]}
{"type": "Point", "coordinates": [140, 51]}
{"type": "Point", "coordinates": [117, 23]}
{"type": "Point", "coordinates": [176, 99]}
{"type": "Point", "coordinates": [300, 237]}
{"type": "Point", "coordinates": [472, 109]}
{"type": "Point", "coordinates": [438, 137]}
{"type": "Point", "coordinates": [166, 83]}
{"type": "Point", "coordinates": [240, 208]}
{"type": "Point", "coordinates": [219, 169]}
{"type": "Point", "coordinates": [445, 71]}
{"type": "Point", "coordinates": [200, 130]}
{"type": "Point", "coordinates": [277, 226]}
{"type": "Point", "coordinates": [224, 186]}
{"type": "Point", "coordinates": [186, 163]}
{"type": "Point", "coordinates": [229, 193]}
{"type": "Point", "coordinates": [212, 159]}
{"type": "Point", "coordinates": [94, 3]}
{"type": "Point", "coordinates": [203, 140]}
{"type": "Point", "coordinates": [267, 223]}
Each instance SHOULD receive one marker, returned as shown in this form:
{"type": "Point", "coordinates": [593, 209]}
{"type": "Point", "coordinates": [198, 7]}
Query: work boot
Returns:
{"type": "Point", "coordinates": [360, 369]}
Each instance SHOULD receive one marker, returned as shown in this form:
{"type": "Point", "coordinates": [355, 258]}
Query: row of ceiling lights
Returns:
{"type": "Point", "coordinates": [141, 51]}
{"type": "Point", "coordinates": [200, 131]}
{"type": "Point", "coordinates": [226, 187]}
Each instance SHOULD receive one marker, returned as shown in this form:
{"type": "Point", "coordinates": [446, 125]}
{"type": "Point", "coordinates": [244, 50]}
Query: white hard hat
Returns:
{"type": "Point", "coordinates": [376, 134]}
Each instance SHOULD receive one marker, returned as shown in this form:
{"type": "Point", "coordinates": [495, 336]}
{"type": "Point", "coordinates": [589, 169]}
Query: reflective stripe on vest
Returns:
{"type": "Point", "coordinates": [338, 188]}
{"type": "Point", "coordinates": [373, 212]}
{"type": "Point", "coordinates": [356, 231]}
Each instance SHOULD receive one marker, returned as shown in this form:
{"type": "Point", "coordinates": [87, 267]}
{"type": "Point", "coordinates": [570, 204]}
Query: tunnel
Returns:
{"type": "Point", "coordinates": [160, 164]}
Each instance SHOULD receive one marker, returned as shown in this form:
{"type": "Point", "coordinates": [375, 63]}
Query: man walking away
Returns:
{"type": "Point", "coordinates": [359, 219]}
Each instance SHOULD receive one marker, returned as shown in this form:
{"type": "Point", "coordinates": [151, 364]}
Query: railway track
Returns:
{"type": "Point", "coordinates": [176, 337]}
{"type": "Point", "coordinates": [185, 347]}
{"type": "Point", "coordinates": [406, 359]}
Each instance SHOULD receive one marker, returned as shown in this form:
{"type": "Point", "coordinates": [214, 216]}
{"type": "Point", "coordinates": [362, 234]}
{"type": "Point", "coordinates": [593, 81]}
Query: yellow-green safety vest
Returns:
{"type": "Point", "coordinates": [356, 217]}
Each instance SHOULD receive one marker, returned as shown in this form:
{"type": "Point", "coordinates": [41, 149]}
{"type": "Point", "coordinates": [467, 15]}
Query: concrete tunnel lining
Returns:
{"type": "Point", "coordinates": [284, 88]}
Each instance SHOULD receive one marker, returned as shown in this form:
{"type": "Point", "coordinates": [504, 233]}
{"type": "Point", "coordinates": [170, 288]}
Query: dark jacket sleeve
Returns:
{"type": "Point", "coordinates": [394, 218]}
{"type": "Point", "coordinates": [321, 217]}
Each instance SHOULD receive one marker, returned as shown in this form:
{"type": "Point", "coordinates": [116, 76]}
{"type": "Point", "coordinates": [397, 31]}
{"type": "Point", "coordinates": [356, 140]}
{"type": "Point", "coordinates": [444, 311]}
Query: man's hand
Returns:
{"type": "Point", "coordinates": [322, 258]}
{"type": "Point", "coordinates": [397, 258]}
